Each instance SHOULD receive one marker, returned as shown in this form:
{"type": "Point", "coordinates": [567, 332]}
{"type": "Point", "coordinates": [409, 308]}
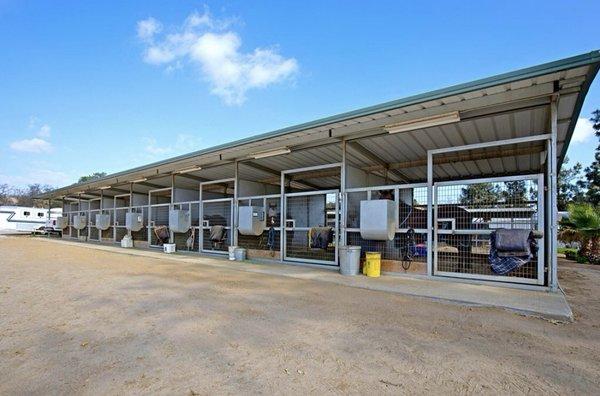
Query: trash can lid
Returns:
{"type": "Point", "coordinates": [350, 247]}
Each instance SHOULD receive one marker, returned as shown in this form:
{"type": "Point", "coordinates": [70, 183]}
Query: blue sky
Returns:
{"type": "Point", "coordinates": [157, 79]}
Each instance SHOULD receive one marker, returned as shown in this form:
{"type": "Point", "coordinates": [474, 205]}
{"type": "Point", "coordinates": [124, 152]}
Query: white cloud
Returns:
{"type": "Point", "coordinates": [147, 28]}
{"type": "Point", "coordinates": [37, 174]}
{"type": "Point", "coordinates": [584, 130]}
{"type": "Point", "coordinates": [34, 145]}
{"type": "Point", "coordinates": [44, 131]}
{"type": "Point", "coordinates": [209, 45]}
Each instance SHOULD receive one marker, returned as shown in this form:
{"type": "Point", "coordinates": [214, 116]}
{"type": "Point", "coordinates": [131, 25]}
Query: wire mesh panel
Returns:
{"type": "Point", "coordinates": [267, 244]}
{"type": "Point", "coordinates": [141, 235]}
{"type": "Point", "coordinates": [353, 208]}
{"type": "Point", "coordinates": [94, 233]}
{"type": "Point", "coordinates": [217, 225]}
{"type": "Point", "coordinates": [159, 216]}
{"type": "Point", "coordinates": [188, 241]}
{"type": "Point", "coordinates": [311, 229]}
{"type": "Point", "coordinates": [119, 223]}
{"type": "Point", "coordinates": [466, 213]}
{"type": "Point", "coordinates": [407, 251]}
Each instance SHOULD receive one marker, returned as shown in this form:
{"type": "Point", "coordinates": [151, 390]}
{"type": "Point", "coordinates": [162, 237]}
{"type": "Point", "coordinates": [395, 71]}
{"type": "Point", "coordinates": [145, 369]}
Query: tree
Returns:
{"type": "Point", "coordinates": [583, 226]}
{"type": "Point", "coordinates": [570, 185]}
{"type": "Point", "coordinates": [515, 192]}
{"type": "Point", "coordinates": [25, 196]}
{"type": "Point", "coordinates": [480, 194]}
{"type": "Point", "coordinates": [5, 191]}
{"type": "Point", "coordinates": [93, 176]}
{"type": "Point", "coordinates": [592, 172]}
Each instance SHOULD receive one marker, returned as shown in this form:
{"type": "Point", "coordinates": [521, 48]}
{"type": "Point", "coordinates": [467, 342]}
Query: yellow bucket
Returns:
{"type": "Point", "coordinates": [372, 265]}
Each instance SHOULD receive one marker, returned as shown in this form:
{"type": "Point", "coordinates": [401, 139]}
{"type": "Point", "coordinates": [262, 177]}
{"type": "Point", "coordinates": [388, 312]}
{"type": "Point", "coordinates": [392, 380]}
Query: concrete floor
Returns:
{"type": "Point", "coordinates": [538, 303]}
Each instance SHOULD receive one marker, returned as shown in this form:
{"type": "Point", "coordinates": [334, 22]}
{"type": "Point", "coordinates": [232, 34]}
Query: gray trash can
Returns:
{"type": "Point", "coordinates": [349, 260]}
{"type": "Point", "coordinates": [239, 254]}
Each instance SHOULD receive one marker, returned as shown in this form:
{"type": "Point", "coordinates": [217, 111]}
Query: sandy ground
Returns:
{"type": "Point", "coordinates": [74, 320]}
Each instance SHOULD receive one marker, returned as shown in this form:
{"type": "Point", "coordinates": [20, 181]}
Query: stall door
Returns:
{"type": "Point", "coordinates": [467, 212]}
{"type": "Point", "coordinates": [217, 216]}
{"type": "Point", "coordinates": [309, 217]}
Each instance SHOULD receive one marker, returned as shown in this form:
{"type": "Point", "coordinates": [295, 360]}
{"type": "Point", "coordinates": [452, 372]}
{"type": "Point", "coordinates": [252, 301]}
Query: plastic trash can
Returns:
{"type": "Point", "coordinates": [373, 264]}
{"type": "Point", "coordinates": [239, 254]}
{"type": "Point", "coordinates": [231, 250]}
{"type": "Point", "coordinates": [349, 260]}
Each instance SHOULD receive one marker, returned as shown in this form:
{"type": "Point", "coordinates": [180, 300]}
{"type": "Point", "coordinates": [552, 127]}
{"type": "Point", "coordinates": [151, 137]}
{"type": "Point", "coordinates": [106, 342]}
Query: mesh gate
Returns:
{"type": "Point", "coordinates": [159, 216]}
{"type": "Point", "coordinates": [306, 213]}
{"type": "Point", "coordinates": [260, 244]}
{"type": "Point", "coordinates": [217, 212]}
{"type": "Point", "coordinates": [407, 252]}
{"type": "Point", "coordinates": [467, 212]}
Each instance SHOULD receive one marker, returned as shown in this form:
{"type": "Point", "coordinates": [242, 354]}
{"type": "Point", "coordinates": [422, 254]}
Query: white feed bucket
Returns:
{"type": "Point", "coordinates": [127, 242]}
{"type": "Point", "coordinates": [169, 248]}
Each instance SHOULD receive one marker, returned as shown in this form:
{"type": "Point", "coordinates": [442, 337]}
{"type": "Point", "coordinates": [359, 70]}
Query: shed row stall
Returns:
{"type": "Point", "coordinates": [427, 181]}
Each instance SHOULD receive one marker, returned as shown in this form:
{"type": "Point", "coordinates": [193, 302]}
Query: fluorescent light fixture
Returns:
{"type": "Point", "coordinates": [105, 188]}
{"type": "Point", "coordinates": [425, 122]}
{"type": "Point", "coordinates": [271, 153]}
{"type": "Point", "coordinates": [143, 179]}
{"type": "Point", "coordinates": [188, 170]}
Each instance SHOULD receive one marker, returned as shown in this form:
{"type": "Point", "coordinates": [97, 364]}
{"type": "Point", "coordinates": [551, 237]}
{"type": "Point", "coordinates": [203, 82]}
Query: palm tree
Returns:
{"type": "Point", "coordinates": [583, 226]}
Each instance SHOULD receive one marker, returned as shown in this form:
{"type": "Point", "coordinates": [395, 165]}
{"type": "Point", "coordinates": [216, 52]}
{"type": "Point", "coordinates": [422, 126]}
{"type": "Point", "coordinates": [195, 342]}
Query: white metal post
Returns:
{"type": "Point", "coordinates": [553, 195]}
{"type": "Point", "coordinates": [149, 227]}
{"type": "Point", "coordinates": [282, 217]}
{"type": "Point", "coordinates": [429, 213]}
{"type": "Point", "coordinates": [200, 221]}
{"type": "Point", "coordinates": [234, 223]}
{"type": "Point", "coordinates": [342, 212]}
{"type": "Point", "coordinates": [171, 233]}
{"type": "Point", "coordinates": [79, 214]}
{"type": "Point", "coordinates": [130, 207]}
{"type": "Point", "coordinates": [49, 213]}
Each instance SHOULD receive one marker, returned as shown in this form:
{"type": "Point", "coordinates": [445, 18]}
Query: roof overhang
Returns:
{"type": "Point", "coordinates": [503, 106]}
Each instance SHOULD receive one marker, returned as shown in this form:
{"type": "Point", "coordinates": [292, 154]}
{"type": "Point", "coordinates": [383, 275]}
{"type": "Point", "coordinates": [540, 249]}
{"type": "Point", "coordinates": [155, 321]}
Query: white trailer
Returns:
{"type": "Point", "coordinates": [19, 219]}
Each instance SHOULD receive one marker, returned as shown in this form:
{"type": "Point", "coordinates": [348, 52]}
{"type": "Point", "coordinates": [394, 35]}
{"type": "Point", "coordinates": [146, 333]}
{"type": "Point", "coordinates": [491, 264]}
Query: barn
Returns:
{"type": "Point", "coordinates": [426, 181]}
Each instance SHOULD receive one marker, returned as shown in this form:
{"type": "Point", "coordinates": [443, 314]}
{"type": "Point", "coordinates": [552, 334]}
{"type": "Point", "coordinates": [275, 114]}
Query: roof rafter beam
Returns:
{"type": "Point", "coordinates": [355, 145]}
{"type": "Point", "coordinates": [489, 154]}
{"type": "Point", "coordinates": [266, 169]}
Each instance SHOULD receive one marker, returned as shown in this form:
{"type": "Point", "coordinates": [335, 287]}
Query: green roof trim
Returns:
{"type": "Point", "coordinates": [589, 58]}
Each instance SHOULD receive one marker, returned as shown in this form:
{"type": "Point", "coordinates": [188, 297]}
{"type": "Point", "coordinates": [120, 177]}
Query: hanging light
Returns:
{"type": "Point", "coordinates": [424, 122]}
{"type": "Point", "coordinates": [271, 153]}
{"type": "Point", "coordinates": [188, 170]}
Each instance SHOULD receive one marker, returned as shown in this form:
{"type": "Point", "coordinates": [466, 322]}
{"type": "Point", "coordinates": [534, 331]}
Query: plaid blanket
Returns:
{"type": "Point", "coordinates": [502, 265]}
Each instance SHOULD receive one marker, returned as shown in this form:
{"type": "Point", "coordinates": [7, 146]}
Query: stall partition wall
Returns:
{"type": "Point", "coordinates": [259, 246]}
{"type": "Point", "coordinates": [407, 252]}
{"type": "Point", "coordinates": [70, 209]}
{"type": "Point", "coordinates": [468, 211]}
{"type": "Point", "coordinates": [93, 233]}
{"type": "Point", "coordinates": [139, 204]}
{"type": "Point", "coordinates": [121, 206]}
{"type": "Point", "coordinates": [218, 211]}
{"type": "Point", "coordinates": [159, 202]}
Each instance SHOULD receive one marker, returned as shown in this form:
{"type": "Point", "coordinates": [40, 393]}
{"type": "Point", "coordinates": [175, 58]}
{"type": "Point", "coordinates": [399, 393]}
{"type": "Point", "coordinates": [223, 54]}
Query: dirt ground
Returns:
{"type": "Point", "coordinates": [75, 320]}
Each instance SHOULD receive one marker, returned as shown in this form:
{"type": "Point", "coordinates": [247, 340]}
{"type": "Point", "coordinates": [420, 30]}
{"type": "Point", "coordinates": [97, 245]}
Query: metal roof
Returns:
{"type": "Point", "coordinates": [503, 106]}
